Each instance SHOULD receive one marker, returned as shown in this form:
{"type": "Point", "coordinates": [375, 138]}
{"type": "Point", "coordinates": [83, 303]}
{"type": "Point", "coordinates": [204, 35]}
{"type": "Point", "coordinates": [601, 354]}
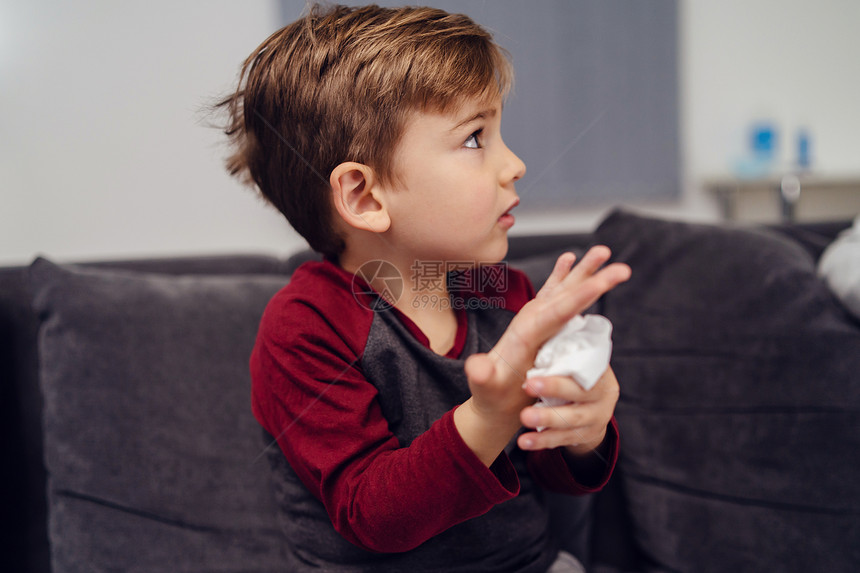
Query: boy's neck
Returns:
{"type": "Point", "coordinates": [423, 298]}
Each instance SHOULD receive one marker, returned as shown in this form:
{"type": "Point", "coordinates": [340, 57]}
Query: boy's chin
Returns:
{"type": "Point", "coordinates": [495, 253]}
{"type": "Point", "coordinates": [488, 253]}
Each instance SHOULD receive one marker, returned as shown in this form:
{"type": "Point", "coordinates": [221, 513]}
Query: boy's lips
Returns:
{"type": "Point", "coordinates": [507, 220]}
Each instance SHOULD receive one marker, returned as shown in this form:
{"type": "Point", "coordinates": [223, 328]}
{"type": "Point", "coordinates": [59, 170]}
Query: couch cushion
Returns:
{"type": "Point", "coordinates": [740, 405]}
{"type": "Point", "coordinates": [150, 446]}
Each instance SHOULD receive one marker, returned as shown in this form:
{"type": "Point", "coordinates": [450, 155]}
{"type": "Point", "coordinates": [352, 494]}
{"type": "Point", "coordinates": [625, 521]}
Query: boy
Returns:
{"type": "Point", "coordinates": [398, 405]}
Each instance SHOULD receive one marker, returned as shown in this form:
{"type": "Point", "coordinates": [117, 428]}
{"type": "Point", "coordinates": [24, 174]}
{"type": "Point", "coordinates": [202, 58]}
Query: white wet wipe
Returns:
{"type": "Point", "coordinates": [581, 350]}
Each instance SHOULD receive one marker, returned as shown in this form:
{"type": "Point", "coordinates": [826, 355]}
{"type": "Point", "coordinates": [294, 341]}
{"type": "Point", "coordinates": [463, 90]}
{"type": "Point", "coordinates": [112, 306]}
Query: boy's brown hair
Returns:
{"type": "Point", "coordinates": [337, 85]}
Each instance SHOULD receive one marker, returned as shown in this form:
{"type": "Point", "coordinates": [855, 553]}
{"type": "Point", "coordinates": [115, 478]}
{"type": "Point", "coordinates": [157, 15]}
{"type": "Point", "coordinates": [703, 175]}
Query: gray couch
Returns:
{"type": "Point", "coordinates": [128, 443]}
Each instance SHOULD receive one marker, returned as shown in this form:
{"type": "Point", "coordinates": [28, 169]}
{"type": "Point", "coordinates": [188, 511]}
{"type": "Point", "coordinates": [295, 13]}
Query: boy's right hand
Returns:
{"type": "Point", "coordinates": [490, 418]}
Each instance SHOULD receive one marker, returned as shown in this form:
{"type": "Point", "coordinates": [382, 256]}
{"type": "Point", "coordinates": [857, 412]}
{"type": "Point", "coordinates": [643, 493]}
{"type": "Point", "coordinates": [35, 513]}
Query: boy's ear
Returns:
{"type": "Point", "coordinates": [356, 196]}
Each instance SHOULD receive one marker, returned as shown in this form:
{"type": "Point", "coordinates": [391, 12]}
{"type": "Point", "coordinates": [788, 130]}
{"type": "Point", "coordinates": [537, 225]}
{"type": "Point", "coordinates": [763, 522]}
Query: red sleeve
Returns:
{"type": "Point", "coordinates": [309, 392]}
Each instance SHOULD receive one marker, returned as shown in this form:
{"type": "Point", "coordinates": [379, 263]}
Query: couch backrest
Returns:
{"type": "Point", "coordinates": [24, 539]}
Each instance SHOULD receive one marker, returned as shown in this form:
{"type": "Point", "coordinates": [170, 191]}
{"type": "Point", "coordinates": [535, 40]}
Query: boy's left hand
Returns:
{"type": "Point", "coordinates": [579, 426]}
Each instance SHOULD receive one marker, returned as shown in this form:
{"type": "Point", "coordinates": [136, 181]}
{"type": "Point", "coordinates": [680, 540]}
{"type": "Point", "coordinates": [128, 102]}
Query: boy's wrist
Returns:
{"type": "Point", "coordinates": [586, 448]}
{"type": "Point", "coordinates": [589, 465]}
{"type": "Point", "coordinates": [485, 435]}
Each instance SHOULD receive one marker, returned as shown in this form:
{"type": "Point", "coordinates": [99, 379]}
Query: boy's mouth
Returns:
{"type": "Point", "coordinates": [507, 220]}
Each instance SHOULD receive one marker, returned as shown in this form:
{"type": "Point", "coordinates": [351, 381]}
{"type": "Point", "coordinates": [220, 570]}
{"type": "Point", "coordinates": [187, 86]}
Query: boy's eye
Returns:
{"type": "Point", "coordinates": [472, 141]}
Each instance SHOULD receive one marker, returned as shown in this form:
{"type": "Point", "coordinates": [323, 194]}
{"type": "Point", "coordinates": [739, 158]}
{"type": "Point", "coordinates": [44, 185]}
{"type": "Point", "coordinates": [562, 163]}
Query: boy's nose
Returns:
{"type": "Point", "coordinates": [514, 167]}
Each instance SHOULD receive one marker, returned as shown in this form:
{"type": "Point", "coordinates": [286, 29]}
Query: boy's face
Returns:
{"type": "Point", "coordinates": [453, 185]}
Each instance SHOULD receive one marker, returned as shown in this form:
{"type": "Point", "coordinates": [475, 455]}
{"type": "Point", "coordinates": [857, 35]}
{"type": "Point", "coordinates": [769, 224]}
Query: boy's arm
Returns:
{"type": "Point", "coordinates": [309, 392]}
{"type": "Point", "coordinates": [560, 471]}
{"type": "Point", "coordinates": [580, 433]}
{"type": "Point", "coordinates": [491, 417]}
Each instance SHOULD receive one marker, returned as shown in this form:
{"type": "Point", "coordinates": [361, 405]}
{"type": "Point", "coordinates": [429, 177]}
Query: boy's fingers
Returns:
{"type": "Point", "coordinates": [559, 272]}
{"type": "Point", "coordinates": [582, 407]}
{"type": "Point", "coordinates": [595, 258]}
{"type": "Point", "coordinates": [566, 389]}
{"type": "Point", "coordinates": [548, 439]}
{"type": "Point", "coordinates": [565, 416]}
{"type": "Point", "coordinates": [571, 299]}
{"type": "Point", "coordinates": [562, 387]}
{"type": "Point", "coordinates": [554, 438]}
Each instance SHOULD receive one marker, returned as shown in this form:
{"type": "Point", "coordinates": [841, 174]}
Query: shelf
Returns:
{"type": "Point", "coordinates": [787, 198]}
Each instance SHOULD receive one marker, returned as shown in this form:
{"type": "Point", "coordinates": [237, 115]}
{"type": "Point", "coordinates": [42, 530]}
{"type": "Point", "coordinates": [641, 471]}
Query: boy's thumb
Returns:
{"type": "Point", "coordinates": [479, 369]}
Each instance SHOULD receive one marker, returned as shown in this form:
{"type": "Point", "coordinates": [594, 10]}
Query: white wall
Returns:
{"type": "Point", "coordinates": [794, 61]}
{"type": "Point", "coordinates": [102, 153]}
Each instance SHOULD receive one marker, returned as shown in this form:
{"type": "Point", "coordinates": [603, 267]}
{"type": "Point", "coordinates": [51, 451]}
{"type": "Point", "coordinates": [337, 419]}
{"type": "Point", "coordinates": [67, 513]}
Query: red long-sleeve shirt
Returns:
{"type": "Point", "coordinates": [362, 410]}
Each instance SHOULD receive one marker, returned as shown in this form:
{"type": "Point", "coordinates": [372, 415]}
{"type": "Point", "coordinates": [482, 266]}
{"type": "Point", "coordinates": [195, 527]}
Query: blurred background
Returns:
{"type": "Point", "coordinates": [105, 151]}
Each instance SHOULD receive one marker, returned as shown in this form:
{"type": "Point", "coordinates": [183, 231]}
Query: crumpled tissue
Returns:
{"type": "Point", "coordinates": [581, 350]}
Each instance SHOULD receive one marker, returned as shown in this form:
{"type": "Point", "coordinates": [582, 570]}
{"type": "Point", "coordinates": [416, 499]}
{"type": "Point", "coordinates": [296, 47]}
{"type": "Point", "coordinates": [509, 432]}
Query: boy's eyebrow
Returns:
{"type": "Point", "coordinates": [483, 114]}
